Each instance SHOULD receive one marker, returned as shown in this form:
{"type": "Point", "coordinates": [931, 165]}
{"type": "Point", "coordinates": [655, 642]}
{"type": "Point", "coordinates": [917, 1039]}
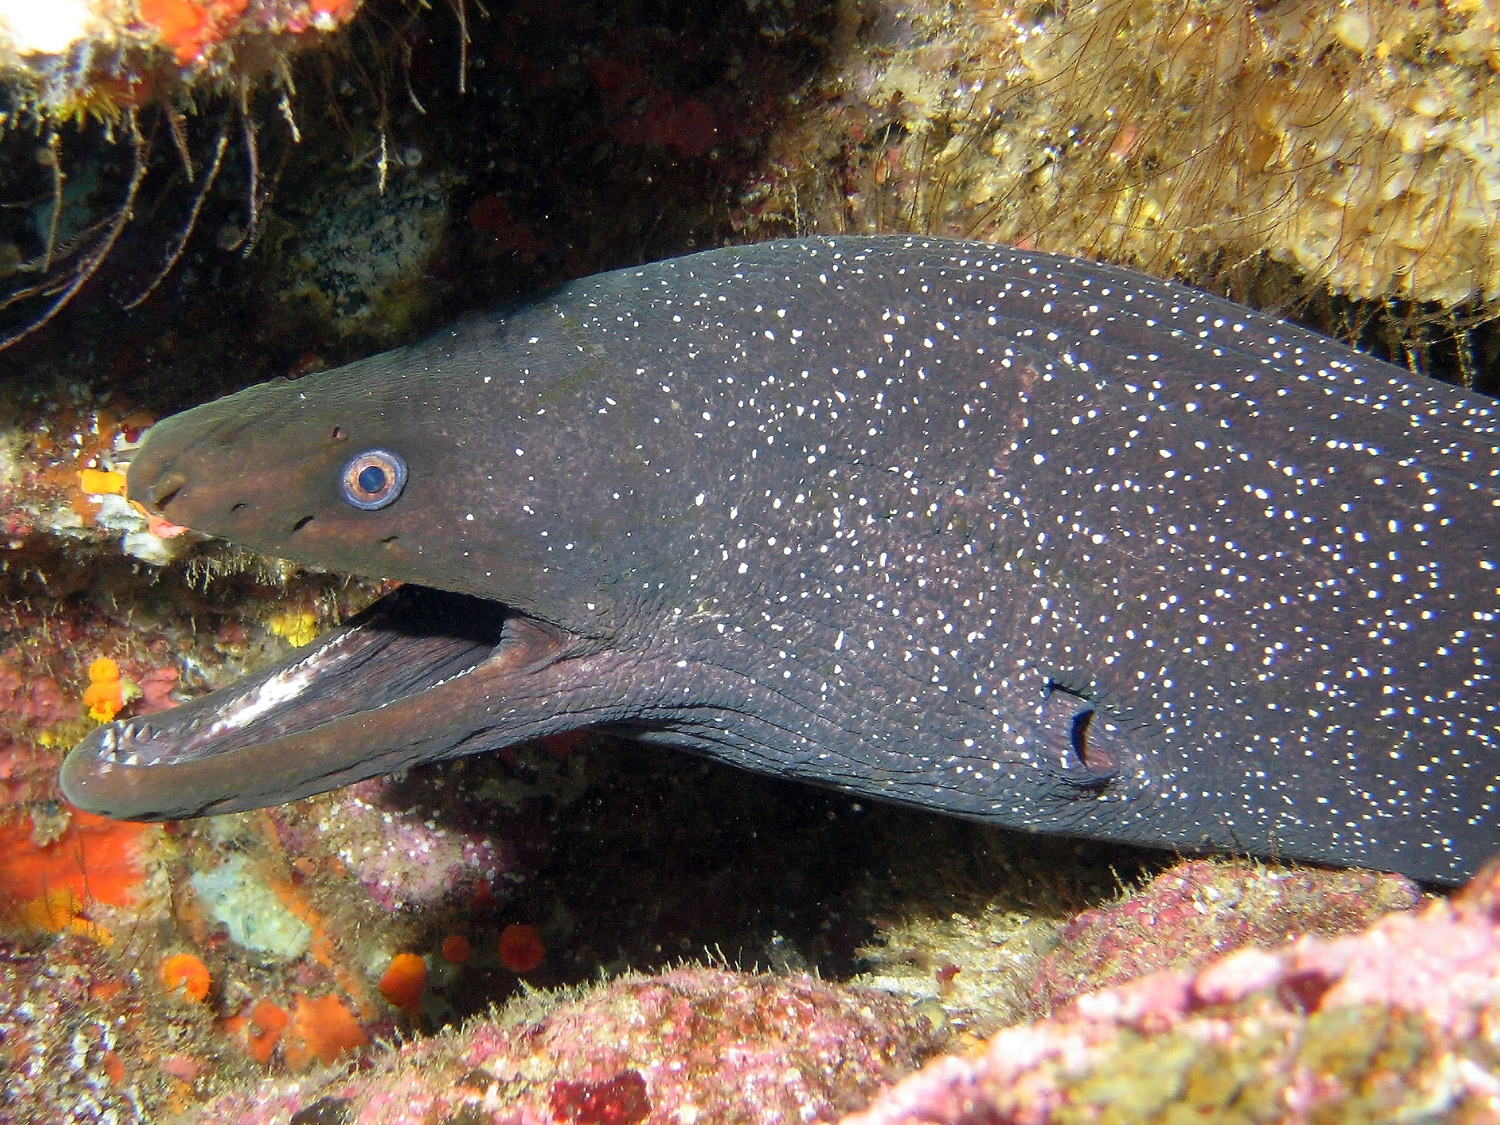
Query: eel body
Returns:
{"type": "Point", "coordinates": [990, 532]}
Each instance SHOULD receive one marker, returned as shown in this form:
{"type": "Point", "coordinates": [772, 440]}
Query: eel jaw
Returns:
{"type": "Point", "coordinates": [408, 680]}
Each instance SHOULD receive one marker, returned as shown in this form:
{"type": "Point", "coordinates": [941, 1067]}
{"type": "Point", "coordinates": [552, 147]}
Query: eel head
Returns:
{"type": "Point", "coordinates": [382, 469]}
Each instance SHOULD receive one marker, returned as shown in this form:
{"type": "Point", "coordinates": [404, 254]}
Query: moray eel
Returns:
{"type": "Point", "coordinates": [1009, 536]}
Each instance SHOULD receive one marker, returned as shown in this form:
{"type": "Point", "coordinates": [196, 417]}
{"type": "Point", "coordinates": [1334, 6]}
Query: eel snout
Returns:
{"type": "Point", "coordinates": [196, 468]}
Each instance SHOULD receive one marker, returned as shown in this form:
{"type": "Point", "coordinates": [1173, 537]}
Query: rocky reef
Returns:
{"type": "Point", "coordinates": [1391, 1024]}
{"type": "Point", "coordinates": [684, 1045]}
{"type": "Point", "coordinates": [584, 930]}
{"type": "Point", "coordinates": [1201, 139]}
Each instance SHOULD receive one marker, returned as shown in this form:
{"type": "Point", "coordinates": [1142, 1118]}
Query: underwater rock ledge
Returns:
{"type": "Point", "coordinates": [1398, 1022]}
{"type": "Point", "coordinates": [690, 1045]}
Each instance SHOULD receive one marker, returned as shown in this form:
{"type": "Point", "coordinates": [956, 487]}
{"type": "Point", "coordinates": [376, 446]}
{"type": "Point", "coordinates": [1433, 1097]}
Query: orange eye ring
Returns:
{"type": "Point", "coordinates": [372, 479]}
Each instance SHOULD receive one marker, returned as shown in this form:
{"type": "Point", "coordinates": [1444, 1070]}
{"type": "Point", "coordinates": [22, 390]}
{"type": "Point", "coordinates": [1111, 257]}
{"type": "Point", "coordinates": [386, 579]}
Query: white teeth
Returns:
{"type": "Point", "coordinates": [450, 679]}
{"type": "Point", "coordinates": [286, 685]}
{"type": "Point", "coordinates": [266, 697]}
{"type": "Point", "coordinates": [271, 693]}
{"type": "Point", "coordinates": [324, 649]}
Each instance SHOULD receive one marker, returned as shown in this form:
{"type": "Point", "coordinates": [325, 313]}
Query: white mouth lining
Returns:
{"type": "Point", "coordinates": [276, 691]}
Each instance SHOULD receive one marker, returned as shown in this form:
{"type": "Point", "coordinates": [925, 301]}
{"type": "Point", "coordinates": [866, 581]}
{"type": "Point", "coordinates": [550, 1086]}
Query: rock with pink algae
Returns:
{"type": "Point", "coordinates": [1398, 1022]}
{"type": "Point", "coordinates": [402, 850]}
{"type": "Point", "coordinates": [692, 1045]}
{"type": "Point", "coordinates": [68, 1020]}
{"type": "Point", "coordinates": [1205, 908]}
{"type": "Point", "coordinates": [432, 838]}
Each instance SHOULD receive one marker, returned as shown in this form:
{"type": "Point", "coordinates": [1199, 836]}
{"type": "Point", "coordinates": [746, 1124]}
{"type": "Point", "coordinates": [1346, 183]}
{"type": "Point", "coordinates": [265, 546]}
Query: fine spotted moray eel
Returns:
{"type": "Point", "coordinates": [981, 530]}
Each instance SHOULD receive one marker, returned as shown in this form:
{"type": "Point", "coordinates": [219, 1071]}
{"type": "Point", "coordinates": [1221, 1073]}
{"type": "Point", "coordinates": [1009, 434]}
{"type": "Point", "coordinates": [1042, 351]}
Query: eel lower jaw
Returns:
{"type": "Point", "coordinates": [403, 682]}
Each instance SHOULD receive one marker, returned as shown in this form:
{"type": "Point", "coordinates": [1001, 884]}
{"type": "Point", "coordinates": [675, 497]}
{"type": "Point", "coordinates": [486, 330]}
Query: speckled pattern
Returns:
{"type": "Point", "coordinates": [1006, 535]}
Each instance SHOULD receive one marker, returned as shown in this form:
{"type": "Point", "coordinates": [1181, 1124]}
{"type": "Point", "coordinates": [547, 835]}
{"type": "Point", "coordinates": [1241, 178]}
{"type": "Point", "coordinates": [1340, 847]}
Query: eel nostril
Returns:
{"type": "Point", "coordinates": [303, 522]}
{"type": "Point", "coordinates": [238, 506]}
{"type": "Point", "coordinates": [166, 489]}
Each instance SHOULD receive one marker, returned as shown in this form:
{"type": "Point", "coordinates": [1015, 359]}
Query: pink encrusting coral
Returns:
{"type": "Point", "coordinates": [1397, 1021]}
{"type": "Point", "coordinates": [410, 842]}
{"type": "Point", "coordinates": [1206, 908]}
{"type": "Point", "coordinates": [690, 1045]}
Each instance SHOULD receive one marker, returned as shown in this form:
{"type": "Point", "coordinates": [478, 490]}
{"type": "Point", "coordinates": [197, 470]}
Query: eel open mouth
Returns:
{"type": "Point", "coordinates": [400, 683]}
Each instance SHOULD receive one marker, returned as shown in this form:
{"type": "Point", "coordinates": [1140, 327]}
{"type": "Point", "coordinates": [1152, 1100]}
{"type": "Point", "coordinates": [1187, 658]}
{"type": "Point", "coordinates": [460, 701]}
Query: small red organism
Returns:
{"type": "Point", "coordinates": [491, 218]}
{"type": "Point", "coordinates": [489, 215]}
{"type": "Point", "coordinates": [183, 1067]}
{"type": "Point", "coordinates": [687, 125]}
{"type": "Point", "coordinates": [561, 745]}
{"type": "Point", "coordinates": [521, 948]}
{"type": "Point", "coordinates": [187, 976]}
{"type": "Point", "coordinates": [33, 698]}
{"type": "Point", "coordinates": [456, 949]}
{"type": "Point", "coordinates": [620, 81]}
{"type": "Point", "coordinates": [183, 25]}
{"type": "Point", "coordinates": [620, 1101]}
{"type": "Point", "coordinates": [156, 690]}
{"type": "Point", "coordinates": [404, 981]}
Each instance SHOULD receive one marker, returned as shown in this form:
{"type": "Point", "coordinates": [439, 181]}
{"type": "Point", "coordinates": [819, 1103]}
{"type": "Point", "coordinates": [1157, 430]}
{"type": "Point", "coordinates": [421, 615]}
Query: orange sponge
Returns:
{"type": "Point", "coordinates": [320, 1030]}
{"type": "Point", "coordinates": [94, 859]}
{"type": "Point", "coordinates": [263, 1029]}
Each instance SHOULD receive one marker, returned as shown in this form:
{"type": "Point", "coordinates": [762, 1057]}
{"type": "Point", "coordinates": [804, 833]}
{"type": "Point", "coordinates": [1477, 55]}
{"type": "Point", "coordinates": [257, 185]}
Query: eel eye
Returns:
{"type": "Point", "coordinates": [372, 479]}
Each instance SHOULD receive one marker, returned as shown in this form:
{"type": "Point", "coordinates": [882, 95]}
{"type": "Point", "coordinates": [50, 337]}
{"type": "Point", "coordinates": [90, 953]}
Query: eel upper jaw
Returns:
{"type": "Point", "coordinates": [418, 674]}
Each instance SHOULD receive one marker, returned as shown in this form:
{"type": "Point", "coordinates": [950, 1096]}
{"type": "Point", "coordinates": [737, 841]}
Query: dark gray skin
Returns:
{"type": "Point", "coordinates": [990, 532]}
